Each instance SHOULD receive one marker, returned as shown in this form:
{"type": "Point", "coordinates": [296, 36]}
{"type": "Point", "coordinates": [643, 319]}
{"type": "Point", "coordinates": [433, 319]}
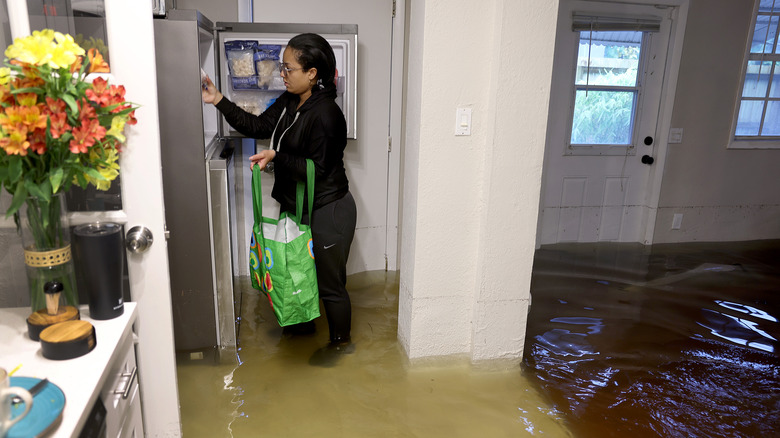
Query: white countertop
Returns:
{"type": "Point", "coordinates": [80, 378]}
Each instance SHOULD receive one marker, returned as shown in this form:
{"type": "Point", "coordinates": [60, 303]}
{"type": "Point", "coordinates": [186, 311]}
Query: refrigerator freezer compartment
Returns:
{"type": "Point", "coordinates": [342, 38]}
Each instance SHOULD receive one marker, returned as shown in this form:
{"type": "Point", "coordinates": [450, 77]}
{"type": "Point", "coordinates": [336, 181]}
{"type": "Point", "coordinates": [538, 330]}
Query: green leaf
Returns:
{"type": "Point", "coordinates": [71, 103]}
{"type": "Point", "coordinates": [14, 169]}
{"type": "Point", "coordinates": [55, 179]}
{"type": "Point", "coordinates": [20, 195]}
{"type": "Point", "coordinates": [81, 181]}
{"type": "Point", "coordinates": [95, 174]}
{"type": "Point", "coordinates": [27, 90]}
{"type": "Point", "coordinates": [37, 191]}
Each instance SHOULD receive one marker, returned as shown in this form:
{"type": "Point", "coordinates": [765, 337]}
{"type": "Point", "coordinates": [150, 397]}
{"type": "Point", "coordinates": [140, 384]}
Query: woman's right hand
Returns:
{"type": "Point", "coordinates": [209, 92]}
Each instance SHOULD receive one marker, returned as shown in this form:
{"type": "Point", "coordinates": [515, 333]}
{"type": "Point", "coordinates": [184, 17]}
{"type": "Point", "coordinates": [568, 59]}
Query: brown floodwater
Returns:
{"type": "Point", "coordinates": [269, 389]}
{"type": "Point", "coordinates": [664, 341]}
{"type": "Point", "coordinates": [623, 340]}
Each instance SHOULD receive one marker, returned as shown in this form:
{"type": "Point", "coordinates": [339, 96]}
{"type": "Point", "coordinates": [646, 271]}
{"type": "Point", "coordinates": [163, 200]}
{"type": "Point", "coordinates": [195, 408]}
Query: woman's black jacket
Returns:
{"type": "Point", "coordinates": [317, 130]}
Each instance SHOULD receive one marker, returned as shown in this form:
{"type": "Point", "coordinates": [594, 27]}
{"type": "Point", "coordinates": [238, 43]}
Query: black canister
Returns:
{"type": "Point", "coordinates": [98, 253]}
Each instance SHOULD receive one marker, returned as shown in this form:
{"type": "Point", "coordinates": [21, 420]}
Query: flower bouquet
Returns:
{"type": "Point", "coordinates": [56, 129]}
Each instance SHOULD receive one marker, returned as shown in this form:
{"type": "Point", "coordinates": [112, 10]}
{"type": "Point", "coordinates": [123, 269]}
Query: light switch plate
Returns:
{"type": "Point", "coordinates": [463, 121]}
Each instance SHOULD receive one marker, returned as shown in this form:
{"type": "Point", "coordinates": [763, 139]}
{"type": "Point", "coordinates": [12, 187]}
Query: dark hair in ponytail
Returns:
{"type": "Point", "coordinates": [314, 51]}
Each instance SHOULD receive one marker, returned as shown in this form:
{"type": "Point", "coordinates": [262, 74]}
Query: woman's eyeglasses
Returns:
{"type": "Point", "coordinates": [286, 70]}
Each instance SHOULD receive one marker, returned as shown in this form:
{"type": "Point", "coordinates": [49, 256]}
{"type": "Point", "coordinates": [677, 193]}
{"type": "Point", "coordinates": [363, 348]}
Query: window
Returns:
{"type": "Point", "coordinates": [85, 20]}
{"type": "Point", "coordinates": [758, 116]}
{"type": "Point", "coordinates": [608, 83]}
{"type": "Point", "coordinates": [606, 88]}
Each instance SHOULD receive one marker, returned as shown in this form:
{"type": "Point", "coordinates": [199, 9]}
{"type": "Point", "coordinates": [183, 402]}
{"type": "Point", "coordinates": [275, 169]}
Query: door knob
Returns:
{"type": "Point", "coordinates": [138, 239]}
{"type": "Point", "coordinates": [647, 159]}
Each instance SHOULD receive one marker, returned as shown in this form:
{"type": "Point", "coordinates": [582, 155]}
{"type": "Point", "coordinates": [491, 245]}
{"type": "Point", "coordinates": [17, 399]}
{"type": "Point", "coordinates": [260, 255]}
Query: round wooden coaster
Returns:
{"type": "Point", "coordinates": [41, 319]}
{"type": "Point", "coordinates": [67, 340]}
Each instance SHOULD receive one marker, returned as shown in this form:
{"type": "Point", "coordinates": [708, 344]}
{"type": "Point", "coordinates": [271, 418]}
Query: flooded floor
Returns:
{"type": "Point", "coordinates": [667, 341]}
{"type": "Point", "coordinates": [274, 392]}
{"type": "Point", "coordinates": [623, 340]}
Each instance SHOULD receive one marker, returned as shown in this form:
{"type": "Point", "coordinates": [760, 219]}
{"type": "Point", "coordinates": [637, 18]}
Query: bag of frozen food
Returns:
{"type": "Point", "coordinates": [267, 64]}
{"type": "Point", "coordinates": [240, 57]}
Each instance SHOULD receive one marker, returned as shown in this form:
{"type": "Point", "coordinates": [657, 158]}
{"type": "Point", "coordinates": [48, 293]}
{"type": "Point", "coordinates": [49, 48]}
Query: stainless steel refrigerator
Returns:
{"type": "Point", "coordinates": [197, 148]}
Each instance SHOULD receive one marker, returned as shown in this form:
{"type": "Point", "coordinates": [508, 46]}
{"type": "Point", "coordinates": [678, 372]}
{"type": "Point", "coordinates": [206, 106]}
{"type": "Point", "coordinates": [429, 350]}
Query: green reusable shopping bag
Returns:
{"type": "Point", "coordinates": [281, 256]}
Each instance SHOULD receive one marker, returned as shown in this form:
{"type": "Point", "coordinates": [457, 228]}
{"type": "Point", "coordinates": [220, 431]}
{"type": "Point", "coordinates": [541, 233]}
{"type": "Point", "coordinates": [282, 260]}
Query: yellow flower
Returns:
{"type": "Point", "coordinates": [109, 171]}
{"type": "Point", "coordinates": [117, 126]}
{"type": "Point", "coordinates": [65, 52]}
{"type": "Point", "coordinates": [45, 47]}
{"type": "Point", "coordinates": [5, 75]}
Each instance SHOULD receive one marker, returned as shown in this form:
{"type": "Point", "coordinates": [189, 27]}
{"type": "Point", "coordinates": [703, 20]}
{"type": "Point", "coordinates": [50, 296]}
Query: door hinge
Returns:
{"type": "Point", "coordinates": [394, 8]}
{"type": "Point", "coordinates": [389, 144]}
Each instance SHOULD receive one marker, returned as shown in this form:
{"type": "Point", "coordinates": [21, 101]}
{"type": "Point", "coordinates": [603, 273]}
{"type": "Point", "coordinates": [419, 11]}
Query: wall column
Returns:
{"type": "Point", "coordinates": [470, 203]}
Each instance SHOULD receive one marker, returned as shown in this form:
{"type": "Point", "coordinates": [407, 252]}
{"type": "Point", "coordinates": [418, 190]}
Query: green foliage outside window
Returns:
{"type": "Point", "coordinates": [605, 117]}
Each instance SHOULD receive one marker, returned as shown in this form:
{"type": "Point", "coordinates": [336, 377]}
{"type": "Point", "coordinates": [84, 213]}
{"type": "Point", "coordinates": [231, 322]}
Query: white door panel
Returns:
{"type": "Point", "coordinates": [600, 193]}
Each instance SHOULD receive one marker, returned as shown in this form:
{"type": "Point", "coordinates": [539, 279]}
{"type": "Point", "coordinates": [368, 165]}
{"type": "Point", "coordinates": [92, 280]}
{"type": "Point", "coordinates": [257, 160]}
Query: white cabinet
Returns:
{"type": "Point", "coordinates": [121, 396]}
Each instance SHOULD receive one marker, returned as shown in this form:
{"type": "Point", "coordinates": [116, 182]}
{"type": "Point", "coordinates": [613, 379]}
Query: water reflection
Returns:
{"type": "Point", "coordinates": [737, 330]}
{"type": "Point", "coordinates": [663, 341]}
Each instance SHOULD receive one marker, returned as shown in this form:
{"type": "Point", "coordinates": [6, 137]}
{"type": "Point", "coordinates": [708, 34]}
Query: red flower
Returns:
{"type": "Point", "coordinates": [86, 135]}
{"type": "Point", "coordinates": [59, 124]}
{"type": "Point", "coordinates": [86, 111]}
{"type": "Point", "coordinates": [55, 106]}
{"type": "Point", "coordinates": [38, 141]}
{"type": "Point", "coordinates": [99, 93]}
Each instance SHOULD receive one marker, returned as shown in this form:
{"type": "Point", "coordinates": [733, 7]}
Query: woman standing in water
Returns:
{"type": "Point", "coordinates": [305, 122]}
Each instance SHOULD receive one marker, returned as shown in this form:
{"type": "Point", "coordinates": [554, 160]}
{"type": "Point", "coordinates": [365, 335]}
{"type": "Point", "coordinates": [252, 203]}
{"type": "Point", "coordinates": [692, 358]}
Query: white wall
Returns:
{"type": "Point", "coordinates": [471, 203]}
{"type": "Point", "coordinates": [723, 194]}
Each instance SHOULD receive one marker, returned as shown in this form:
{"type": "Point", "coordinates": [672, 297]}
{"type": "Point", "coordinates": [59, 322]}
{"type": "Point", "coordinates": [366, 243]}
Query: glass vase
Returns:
{"type": "Point", "coordinates": [47, 253]}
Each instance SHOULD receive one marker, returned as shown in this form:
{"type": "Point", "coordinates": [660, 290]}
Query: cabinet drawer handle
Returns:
{"type": "Point", "coordinates": [126, 391]}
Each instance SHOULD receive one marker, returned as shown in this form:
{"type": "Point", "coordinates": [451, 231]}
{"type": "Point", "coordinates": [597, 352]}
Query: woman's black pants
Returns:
{"type": "Point", "coordinates": [332, 229]}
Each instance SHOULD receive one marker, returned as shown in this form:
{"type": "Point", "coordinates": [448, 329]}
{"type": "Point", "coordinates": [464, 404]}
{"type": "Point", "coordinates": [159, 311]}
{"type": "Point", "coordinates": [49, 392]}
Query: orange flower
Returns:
{"type": "Point", "coordinates": [76, 66]}
{"type": "Point", "coordinates": [15, 143]}
{"type": "Point", "coordinates": [96, 62]}
{"type": "Point", "coordinates": [27, 99]}
{"type": "Point", "coordinates": [22, 115]}
{"type": "Point", "coordinates": [6, 98]}
{"type": "Point", "coordinates": [33, 117]}
{"type": "Point", "coordinates": [31, 82]}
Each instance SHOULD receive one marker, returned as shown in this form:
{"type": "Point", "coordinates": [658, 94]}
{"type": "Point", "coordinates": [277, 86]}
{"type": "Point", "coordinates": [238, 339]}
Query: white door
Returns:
{"type": "Point", "coordinates": [603, 137]}
{"type": "Point", "coordinates": [130, 39]}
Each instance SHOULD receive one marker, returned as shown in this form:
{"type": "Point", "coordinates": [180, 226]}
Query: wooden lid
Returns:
{"type": "Point", "coordinates": [67, 331]}
{"type": "Point", "coordinates": [42, 317]}
{"type": "Point", "coordinates": [67, 340]}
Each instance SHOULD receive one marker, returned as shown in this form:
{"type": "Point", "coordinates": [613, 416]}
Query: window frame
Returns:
{"type": "Point", "coordinates": [608, 149]}
{"type": "Point", "coordinates": [755, 142]}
